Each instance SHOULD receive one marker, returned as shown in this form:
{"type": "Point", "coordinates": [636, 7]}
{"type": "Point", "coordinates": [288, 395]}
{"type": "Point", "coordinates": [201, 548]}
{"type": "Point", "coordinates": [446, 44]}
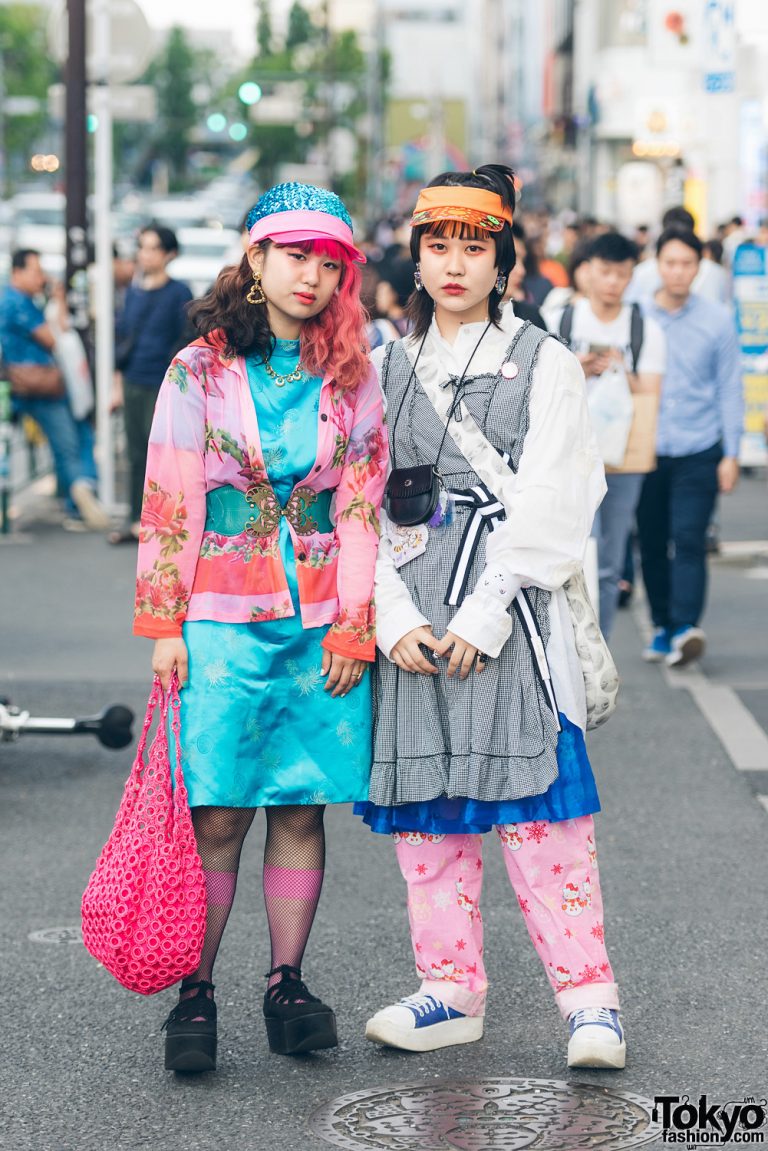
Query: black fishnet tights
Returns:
{"type": "Point", "coordinates": [220, 833]}
{"type": "Point", "coordinates": [294, 860]}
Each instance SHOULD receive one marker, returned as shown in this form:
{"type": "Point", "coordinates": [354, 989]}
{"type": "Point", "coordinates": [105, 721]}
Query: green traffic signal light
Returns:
{"type": "Point", "coordinates": [249, 92]}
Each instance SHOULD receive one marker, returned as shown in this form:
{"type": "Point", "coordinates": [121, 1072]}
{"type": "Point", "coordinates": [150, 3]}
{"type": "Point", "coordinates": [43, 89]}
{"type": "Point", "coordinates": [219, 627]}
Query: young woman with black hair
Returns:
{"type": "Point", "coordinates": [479, 699]}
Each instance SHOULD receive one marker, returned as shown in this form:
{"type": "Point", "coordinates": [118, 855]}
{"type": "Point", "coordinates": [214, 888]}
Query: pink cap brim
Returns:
{"type": "Point", "coordinates": [297, 227]}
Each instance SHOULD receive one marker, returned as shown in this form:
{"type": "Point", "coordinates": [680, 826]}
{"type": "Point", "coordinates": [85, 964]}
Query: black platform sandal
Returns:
{"type": "Point", "coordinates": [296, 1020]}
{"type": "Point", "coordinates": [190, 1031]}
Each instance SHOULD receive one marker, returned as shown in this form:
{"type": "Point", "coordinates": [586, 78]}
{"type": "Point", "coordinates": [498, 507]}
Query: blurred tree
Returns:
{"type": "Point", "coordinates": [27, 70]}
{"type": "Point", "coordinates": [175, 74]}
{"type": "Point", "coordinates": [300, 26]}
{"type": "Point", "coordinates": [264, 27]}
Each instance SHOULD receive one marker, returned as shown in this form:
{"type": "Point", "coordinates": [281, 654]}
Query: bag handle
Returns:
{"type": "Point", "coordinates": [158, 698]}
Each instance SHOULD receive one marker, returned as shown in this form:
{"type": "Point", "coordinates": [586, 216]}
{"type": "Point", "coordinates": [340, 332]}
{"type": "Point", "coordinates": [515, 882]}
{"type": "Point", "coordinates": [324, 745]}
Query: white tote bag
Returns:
{"type": "Point", "coordinates": [609, 400]}
{"type": "Point", "coordinates": [71, 358]}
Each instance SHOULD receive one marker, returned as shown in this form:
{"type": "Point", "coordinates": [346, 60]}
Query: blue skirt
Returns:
{"type": "Point", "coordinates": [572, 794]}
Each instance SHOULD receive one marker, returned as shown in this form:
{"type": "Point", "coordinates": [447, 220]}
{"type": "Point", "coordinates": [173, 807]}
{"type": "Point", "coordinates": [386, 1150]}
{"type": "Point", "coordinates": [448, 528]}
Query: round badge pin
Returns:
{"type": "Point", "coordinates": [509, 370]}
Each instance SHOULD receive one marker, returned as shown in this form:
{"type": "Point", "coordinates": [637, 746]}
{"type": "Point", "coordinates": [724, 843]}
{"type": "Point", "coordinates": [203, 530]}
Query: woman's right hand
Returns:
{"type": "Point", "coordinates": [408, 655]}
{"type": "Point", "coordinates": [170, 654]}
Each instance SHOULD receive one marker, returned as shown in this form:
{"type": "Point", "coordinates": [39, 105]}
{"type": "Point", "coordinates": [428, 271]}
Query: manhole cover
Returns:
{"type": "Point", "coordinates": [57, 935]}
{"type": "Point", "coordinates": [488, 1115]}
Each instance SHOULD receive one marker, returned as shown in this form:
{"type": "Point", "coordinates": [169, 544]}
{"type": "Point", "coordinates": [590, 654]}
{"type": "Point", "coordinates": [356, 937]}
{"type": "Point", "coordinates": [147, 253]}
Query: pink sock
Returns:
{"type": "Point", "coordinates": [291, 896]}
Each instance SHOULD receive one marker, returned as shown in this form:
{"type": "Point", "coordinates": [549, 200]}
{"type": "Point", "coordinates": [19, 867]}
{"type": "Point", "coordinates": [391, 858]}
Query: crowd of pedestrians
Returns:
{"type": "Point", "coordinates": [650, 317]}
{"type": "Point", "coordinates": [647, 315]}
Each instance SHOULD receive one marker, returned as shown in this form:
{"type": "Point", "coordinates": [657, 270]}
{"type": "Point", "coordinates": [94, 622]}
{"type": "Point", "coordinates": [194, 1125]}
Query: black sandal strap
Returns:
{"type": "Point", "coordinates": [291, 988]}
{"type": "Point", "coordinates": [201, 985]}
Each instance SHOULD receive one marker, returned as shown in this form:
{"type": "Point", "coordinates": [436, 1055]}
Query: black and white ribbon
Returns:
{"type": "Point", "coordinates": [530, 626]}
{"type": "Point", "coordinates": [488, 513]}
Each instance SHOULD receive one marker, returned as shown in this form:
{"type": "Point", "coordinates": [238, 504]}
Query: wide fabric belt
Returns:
{"type": "Point", "coordinates": [230, 511]}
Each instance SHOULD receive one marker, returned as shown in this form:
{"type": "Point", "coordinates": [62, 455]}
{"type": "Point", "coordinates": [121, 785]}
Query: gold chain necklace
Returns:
{"type": "Point", "coordinates": [280, 381]}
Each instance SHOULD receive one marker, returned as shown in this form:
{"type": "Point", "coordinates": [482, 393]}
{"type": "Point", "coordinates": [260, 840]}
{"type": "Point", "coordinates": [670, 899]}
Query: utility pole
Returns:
{"type": "Point", "coordinates": [76, 171]}
{"type": "Point", "coordinates": [376, 153]}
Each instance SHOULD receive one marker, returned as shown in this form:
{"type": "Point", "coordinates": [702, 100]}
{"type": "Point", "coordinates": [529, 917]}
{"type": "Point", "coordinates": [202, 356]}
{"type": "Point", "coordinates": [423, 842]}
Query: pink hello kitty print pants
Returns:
{"type": "Point", "coordinates": [553, 870]}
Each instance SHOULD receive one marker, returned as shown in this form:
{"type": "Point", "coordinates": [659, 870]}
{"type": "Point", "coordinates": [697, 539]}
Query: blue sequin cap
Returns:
{"type": "Point", "coordinates": [295, 197]}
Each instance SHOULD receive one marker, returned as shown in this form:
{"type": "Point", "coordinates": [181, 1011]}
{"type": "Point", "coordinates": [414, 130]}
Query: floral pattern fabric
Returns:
{"type": "Point", "coordinates": [205, 436]}
{"type": "Point", "coordinates": [257, 727]}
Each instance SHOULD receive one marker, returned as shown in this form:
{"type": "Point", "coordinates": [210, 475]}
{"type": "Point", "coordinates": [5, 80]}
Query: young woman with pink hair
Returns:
{"type": "Point", "coordinates": [258, 593]}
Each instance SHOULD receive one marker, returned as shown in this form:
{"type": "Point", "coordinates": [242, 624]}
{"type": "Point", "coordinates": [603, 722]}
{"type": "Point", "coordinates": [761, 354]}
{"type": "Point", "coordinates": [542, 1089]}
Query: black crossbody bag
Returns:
{"type": "Point", "coordinates": [412, 494]}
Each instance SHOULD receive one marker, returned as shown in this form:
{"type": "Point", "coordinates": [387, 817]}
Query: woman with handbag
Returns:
{"type": "Point", "coordinates": [480, 704]}
{"type": "Point", "coordinates": [262, 423]}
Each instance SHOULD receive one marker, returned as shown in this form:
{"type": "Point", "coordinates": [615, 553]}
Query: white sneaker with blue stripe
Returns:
{"type": "Point", "coordinates": [597, 1039]}
{"type": "Point", "coordinates": [422, 1023]}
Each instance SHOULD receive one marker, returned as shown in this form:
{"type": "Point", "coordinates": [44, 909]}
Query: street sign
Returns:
{"type": "Point", "coordinates": [136, 103]}
{"type": "Point", "coordinates": [750, 291]}
{"type": "Point", "coordinates": [131, 42]}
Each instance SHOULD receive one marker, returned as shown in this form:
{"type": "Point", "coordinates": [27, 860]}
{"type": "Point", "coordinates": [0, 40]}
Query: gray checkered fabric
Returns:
{"type": "Point", "coordinates": [491, 736]}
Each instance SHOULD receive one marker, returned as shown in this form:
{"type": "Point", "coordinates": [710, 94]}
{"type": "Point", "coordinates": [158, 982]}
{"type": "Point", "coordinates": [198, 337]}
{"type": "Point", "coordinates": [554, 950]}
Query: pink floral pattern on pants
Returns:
{"type": "Point", "coordinates": [553, 871]}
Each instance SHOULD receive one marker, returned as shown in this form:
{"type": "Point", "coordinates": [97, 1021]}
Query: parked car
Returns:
{"type": "Point", "coordinates": [203, 252]}
{"type": "Point", "coordinates": [38, 221]}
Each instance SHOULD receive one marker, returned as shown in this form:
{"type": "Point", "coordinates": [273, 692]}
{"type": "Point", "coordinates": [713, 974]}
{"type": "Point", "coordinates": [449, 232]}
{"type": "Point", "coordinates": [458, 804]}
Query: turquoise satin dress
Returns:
{"type": "Point", "coordinates": [257, 727]}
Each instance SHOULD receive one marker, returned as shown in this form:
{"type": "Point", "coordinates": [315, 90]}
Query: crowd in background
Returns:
{"type": "Point", "coordinates": [579, 278]}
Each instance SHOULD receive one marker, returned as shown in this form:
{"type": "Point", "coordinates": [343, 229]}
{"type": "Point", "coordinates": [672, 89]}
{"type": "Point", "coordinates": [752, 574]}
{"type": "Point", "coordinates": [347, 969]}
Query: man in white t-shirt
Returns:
{"type": "Point", "coordinates": [615, 342]}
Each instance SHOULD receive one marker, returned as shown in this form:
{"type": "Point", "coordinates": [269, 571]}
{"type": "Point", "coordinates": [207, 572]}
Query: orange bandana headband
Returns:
{"type": "Point", "coordinates": [474, 206]}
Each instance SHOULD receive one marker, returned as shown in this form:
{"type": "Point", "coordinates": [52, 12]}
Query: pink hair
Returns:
{"type": "Point", "coordinates": [335, 341]}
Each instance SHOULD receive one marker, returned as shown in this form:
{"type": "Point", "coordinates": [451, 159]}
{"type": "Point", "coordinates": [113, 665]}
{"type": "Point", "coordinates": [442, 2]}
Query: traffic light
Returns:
{"type": "Point", "coordinates": [249, 92]}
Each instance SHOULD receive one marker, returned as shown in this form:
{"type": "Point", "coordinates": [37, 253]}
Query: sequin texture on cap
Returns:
{"type": "Point", "coordinates": [295, 197]}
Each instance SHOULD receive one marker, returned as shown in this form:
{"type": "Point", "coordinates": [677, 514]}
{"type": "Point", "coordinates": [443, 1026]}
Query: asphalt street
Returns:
{"type": "Point", "coordinates": [681, 841]}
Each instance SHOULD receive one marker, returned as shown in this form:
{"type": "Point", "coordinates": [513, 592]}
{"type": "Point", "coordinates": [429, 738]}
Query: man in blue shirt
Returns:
{"type": "Point", "coordinates": [27, 339]}
{"type": "Point", "coordinates": [701, 419]}
{"type": "Point", "coordinates": [151, 329]}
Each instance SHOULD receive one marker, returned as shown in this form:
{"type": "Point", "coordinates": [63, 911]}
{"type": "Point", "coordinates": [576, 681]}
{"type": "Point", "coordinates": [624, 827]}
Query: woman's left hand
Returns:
{"type": "Point", "coordinates": [342, 671]}
{"type": "Point", "coordinates": [462, 656]}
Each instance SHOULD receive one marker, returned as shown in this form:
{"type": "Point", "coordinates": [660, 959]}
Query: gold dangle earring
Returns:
{"type": "Point", "coordinates": [253, 297]}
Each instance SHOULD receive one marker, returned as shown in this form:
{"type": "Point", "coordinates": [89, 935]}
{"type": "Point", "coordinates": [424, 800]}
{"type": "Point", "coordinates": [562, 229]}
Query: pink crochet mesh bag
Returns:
{"type": "Point", "coordinates": [143, 910]}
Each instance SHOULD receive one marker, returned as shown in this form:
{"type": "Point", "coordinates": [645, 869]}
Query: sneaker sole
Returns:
{"type": "Point", "coordinates": [655, 656]}
{"type": "Point", "coordinates": [448, 1034]}
{"type": "Point", "coordinates": [692, 649]}
{"type": "Point", "coordinates": [592, 1053]}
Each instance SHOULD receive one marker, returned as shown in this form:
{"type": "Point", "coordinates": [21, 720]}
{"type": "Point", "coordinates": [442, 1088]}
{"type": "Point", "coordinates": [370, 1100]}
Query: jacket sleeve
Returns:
{"type": "Point", "coordinates": [396, 613]}
{"type": "Point", "coordinates": [550, 504]}
{"type": "Point", "coordinates": [358, 502]}
{"type": "Point", "coordinates": [173, 510]}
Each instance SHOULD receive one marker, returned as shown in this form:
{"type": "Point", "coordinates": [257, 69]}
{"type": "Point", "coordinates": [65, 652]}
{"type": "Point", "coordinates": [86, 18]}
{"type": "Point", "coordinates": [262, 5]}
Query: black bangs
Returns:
{"type": "Point", "coordinates": [454, 230]}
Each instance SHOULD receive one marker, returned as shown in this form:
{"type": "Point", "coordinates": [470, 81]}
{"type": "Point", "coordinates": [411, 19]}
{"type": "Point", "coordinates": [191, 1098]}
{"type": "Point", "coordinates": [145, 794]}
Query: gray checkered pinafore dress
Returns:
{"type": "Point", "coordinates": [491, 736]}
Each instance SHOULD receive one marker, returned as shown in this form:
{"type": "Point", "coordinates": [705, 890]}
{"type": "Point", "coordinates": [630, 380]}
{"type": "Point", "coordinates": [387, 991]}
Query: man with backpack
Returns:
{"type": "Point", "coordinates": [622, 352]}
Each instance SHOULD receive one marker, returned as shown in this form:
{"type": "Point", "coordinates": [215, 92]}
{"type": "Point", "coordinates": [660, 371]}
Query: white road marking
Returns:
{"type": "Point", "coordinates": [744, 740]}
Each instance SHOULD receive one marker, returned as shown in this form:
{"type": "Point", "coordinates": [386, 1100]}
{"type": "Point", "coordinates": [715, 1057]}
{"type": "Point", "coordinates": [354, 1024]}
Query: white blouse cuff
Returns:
{"type": "Point", "coordinates": [484, 620]}
{"type": "Point", "coordinates": [391, 630]}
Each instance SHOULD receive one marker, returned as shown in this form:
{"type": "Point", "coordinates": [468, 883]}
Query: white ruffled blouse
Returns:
{"type": "Point", "coordinates": [550, 503]}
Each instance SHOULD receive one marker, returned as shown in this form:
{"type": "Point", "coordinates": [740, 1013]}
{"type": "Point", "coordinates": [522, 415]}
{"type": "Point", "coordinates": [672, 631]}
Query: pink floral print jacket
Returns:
{"type": "Point", "coordinates": [205, 435]}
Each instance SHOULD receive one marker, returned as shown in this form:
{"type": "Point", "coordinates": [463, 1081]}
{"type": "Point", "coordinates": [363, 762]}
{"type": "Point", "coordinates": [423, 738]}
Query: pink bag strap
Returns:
{"type": "Point", "coordinates": [163, 700]}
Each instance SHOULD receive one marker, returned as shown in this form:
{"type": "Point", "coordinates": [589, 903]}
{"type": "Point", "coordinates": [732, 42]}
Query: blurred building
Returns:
{"type": "Point", "coordinates": [667, 99]}
{"type": "Point", "coordinates": [612, 107]}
